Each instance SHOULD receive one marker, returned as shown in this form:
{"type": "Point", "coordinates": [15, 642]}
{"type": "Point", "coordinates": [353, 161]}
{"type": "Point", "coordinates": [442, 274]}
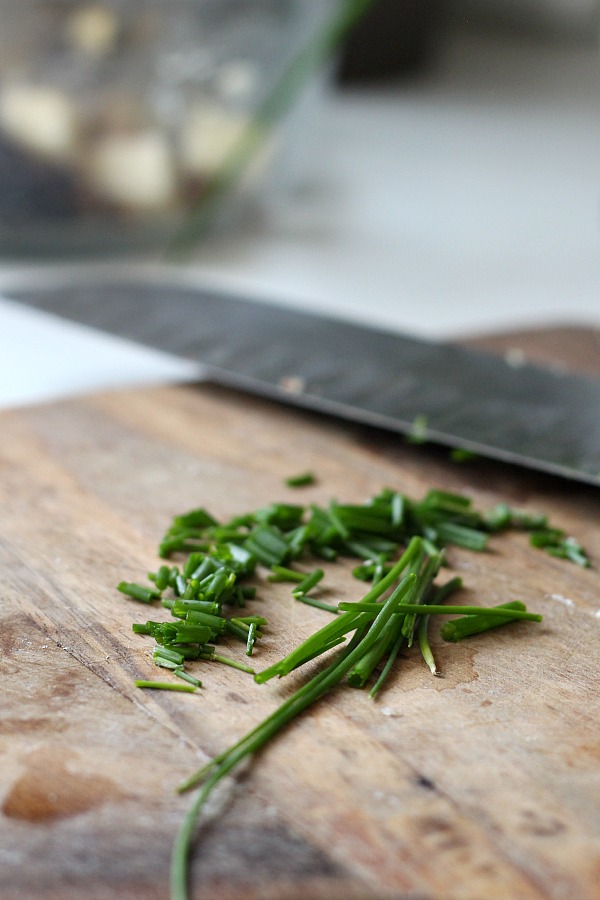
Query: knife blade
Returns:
{"type": "Point", "coordinates": [527, 415]}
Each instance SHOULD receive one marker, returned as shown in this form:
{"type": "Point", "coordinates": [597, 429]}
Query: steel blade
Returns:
{"type": "Point", "coordinates": [528, 415]}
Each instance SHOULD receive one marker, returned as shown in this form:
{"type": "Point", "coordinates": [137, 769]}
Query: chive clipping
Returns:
{"type": "Point", "coordinates": [308, 583]}
{"type": "Point", "coordinates": [477, 623]}
{"type": "Point", "coordinates": [398, 545]}
{"type": "Point", "coordinates": [462, 455]}
{"type": "Point", "coordinates": [166, 686]}
{"type": "Point", "coordinates": [138, 592]}
{"type": "Point", "coordinates": [302, 480]}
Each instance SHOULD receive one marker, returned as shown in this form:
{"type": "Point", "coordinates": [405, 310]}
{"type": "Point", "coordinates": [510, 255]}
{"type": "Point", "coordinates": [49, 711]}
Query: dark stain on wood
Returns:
{"type": "Point", "coordinates": [235, 697]}
{"type": "Point", "coordinates": [540, 826]}
{"type": "Point", "coordinates": [48, 791]}
{"type": "Point", "coordinates": [426, 783]}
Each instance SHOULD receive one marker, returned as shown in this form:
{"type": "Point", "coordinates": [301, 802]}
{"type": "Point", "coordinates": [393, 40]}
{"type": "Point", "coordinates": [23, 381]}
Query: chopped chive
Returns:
{"type": "Point", "coordinates": [461, 535]}
{"type": "Point", "coordinates": [170, 656]}
{"type": "Point", "coordinates": [302, 480]}
{"type": "Point", "coordinates": [179, 585]}
{"type": "Point", "coordinates": [226, 660]}
{"type": "Point", "coordinates": [352, 621]}
{"type": "Point", "coordinates": [238, 630]}
{"type": "Point", "coordinates": [362, 671]}
{"type": "Point", "coordinates": [282, 573]}
{"type": "Point", "coordinates": [425, 646]}
{"type": "Point", "coordinates": [248, 620]}
{"type": "Point", "coordinates": [308, 582]}
{"type": "Point", "coordinates": [195, 518]}
{"type": "Point", "coordinates": [461, 455]}
{"type": "Point", "coordinates": [284, 516]}
{"type": "Point", "coordinates": [338, 525]}
{"type": "Point", "coordinates": [165, 663]}
{"type": "Point", "coordinates": [138, 592]}
{"type": "Point", "coordinates": [218, 559]}
{"type": "Point", "coordinates": [185, 541]}
{"type": "Point", "coordinates": [251, 638]}
{"type": "Point", "coordinates": [372, 570]}
{"type": "Point", "coordinates": [437, 597]}
{"type": "Point", "coordinates": [431, 609]}
{"type": "Point", "coordinates": [554, 542]}
{"type": "Point", "coordinates": [182, 607]}
{"type": "Point", "coordinates": [161, 577]}
{"type": "Point", "coordinates": [268, 544]}
{"type": "Point", "coordinates": [388, 665]}
{"type": "Point", "coordinates": [457, 629]}
{"type": "Point", "coordinates": [181, 673]}
{"type": "Point", "coordinates": [312, 601]}
{"type": "Point", "coordinates": [166, 686]}
{"type": "Point", "coordinates": [397, 508]}
{"type": "Point", "coordinates": [426, 572]}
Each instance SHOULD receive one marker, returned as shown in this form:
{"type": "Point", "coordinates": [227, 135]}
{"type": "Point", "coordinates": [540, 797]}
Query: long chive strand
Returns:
{"type": "Point", "coordinates": [309, 692]}
{"type": "Point", "coordinates": [432, 609]}
{"type": "Point", "coordinates": [425, 646]}
{"type": "Point", "coordinates": [394, 612]}
{"type": "Point", "coordinates": [388, 665]}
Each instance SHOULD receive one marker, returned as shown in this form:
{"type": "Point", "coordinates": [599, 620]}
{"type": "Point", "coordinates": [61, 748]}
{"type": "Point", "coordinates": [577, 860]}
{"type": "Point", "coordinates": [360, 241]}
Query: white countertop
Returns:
{"type": "Point", "coordinates": [463, 203]}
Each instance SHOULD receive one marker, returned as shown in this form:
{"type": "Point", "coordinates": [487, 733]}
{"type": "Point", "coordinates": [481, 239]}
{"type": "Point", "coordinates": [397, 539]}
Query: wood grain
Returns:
{"type": "Point", "coordinates": [483, 783]}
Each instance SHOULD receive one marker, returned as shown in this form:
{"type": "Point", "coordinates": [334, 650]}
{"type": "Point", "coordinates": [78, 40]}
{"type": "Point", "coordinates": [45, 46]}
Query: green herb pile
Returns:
{"type": "Point", "coordinates": [398, 547]}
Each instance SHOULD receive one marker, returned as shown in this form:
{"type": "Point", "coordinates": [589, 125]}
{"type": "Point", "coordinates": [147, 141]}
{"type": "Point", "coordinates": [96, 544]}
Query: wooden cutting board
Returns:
{"type": "Point", "coordinates": [482, 784]}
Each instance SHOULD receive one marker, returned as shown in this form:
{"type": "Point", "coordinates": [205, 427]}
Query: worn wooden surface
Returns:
{"type": "Point", "coordinates": [482, 784]}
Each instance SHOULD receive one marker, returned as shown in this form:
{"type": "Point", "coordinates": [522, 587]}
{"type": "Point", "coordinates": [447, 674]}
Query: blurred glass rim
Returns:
{"type": "Point", "coordinates": [283, 26]}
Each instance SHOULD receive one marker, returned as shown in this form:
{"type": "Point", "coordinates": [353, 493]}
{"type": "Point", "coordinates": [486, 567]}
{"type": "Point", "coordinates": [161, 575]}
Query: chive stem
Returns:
{"type": "Point", "coordinates": [492, 611]}
{"type": "Point", "coordinates": [424, 645]}
{"type": "Point", "coordinates": [301, 480]}
{"type": "Point", "coordinates": [309, 582]}
{"type": "Point", "coordinates": [166, 686]}
{"type": "Point", "coordinates": [312, 601]}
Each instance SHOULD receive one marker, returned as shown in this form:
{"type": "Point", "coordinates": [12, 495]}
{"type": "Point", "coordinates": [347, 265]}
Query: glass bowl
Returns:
{"type": "Point", "coordinates": [119, 117]}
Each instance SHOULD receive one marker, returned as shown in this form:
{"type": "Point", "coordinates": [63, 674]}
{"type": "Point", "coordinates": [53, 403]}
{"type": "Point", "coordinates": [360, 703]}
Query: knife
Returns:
{"type": "Point", "coordinates": [536, 417]}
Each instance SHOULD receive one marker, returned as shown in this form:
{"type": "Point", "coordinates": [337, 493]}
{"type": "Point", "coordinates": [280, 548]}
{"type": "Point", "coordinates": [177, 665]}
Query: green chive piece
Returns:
{"type": "Point", "coordinates": [164, 654]}
{"type": "Point", "coordinates": [185, 676]}
{"type": "Point", "coordinates": [457, 629]}
{"type": "Point", "coordinates": [138, 592]}
{"type": "Point", "coordinates": [340, 626]}
{"type": "Point", "coordinates": [554, 542]}
{"type": "Point", "coordinates": [252, 629]}
{"type": "Point", "coordinates": [364, 638]}
{"type": "Point", "coordinates": [161, 578]}
{"type": "Point", "coordinates": [462, 455]}
{"type": "Point", "coordinates": [312, 601]}
{"type": "Point", "coordinates": [432, 609]}
{"type": "Point", "coordinates": [226, 660]}
{"type": "Point", "coordinates": [425, 646]}
{"type": "Point", "coordinates": [282, 573]}
{"type": "Point", "coordinates": [166, 686]}
{"type": "Point", "coordinates": [309, 582]}
{"type": "Point", "coordinates": [302, 480]}
{"type": "Point", "coordinates": [388, 666]}
{"type": "Point", "coordinates": [364, 668]}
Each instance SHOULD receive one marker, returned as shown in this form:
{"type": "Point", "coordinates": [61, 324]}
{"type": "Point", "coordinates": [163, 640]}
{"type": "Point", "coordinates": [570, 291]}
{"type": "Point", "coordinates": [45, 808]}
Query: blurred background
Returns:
{"type": "Point", "coordinates": [439, 174]}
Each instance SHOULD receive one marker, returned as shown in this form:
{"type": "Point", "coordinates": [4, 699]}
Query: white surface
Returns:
{"type": "Point", "coordinates": [465, 203]}
{"type": "Point", "coordinates": [44, 358]}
